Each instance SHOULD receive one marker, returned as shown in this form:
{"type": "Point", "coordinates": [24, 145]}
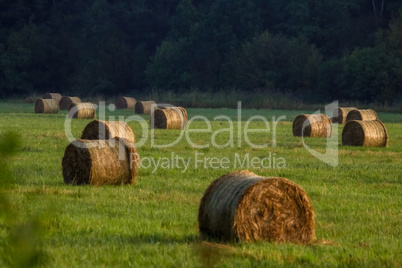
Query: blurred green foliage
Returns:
{"type": "Point", "coordinates": [21, 243]}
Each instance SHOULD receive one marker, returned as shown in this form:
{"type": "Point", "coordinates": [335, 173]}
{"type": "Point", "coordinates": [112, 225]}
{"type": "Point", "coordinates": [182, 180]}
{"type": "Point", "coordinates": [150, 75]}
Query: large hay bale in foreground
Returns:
{"type": "Point", "coordinates": [66, 102]}
{"type": "Point", "coordinates": [55, 96]}
{"type": "Point", "coordinates": [364, 115]}
{"type": "Point", "coordinates": [169, 118]}
{"type": "Point", "coordinates": [104, 130]}
{"type": "Point", "coordinates": [46, 106]}
{"type": "Point", "coordinates": [341, 113]}
{"type": "Point", "coordinates": [365, 133]}
{"type": "Point", "coordinates": [83, 110]}
{"type": "Point", "coordinates": [125, 103]}
{"type": "Point", "coordinates": [99, 162]}
{"type": "Point", "coordinates": [144, 107]}
{"type": "Point", "coordinates": [243, 206]}
{"type": "Point", "coordinates": [312, 125]}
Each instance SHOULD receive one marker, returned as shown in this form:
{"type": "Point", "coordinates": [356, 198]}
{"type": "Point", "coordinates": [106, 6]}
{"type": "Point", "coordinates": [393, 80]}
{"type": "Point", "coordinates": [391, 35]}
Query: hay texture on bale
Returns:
{"type": "Point", "coordinates": [242, 206]}
{"type": "Point", "coordinates": [125, 103]}
{"type": "Point", "coordinates": [169, 118]}
{"type": "Point", "coordinates": [100, 162]}
{"type": "Point", "coordinates": [365, 115]}
{"type": "Point", "coordinates": [46, 106]}
{"type": "Point", "coordinates": [365, 133]}
{"type": "Point", "coordinates": [341, 113]}
{"type": "Point", "coordinates": [312, 125]}
{"type": "Point", "coordinates": [66, 102]}
{"type": "Point", "coordinates": [182, 110]}
{"type": "Point", "coordinates": [144, 107]}
{"type": "Point", "coordinates": [83, 110]}
{"type": "Point", "coordinates": [104, 130]}
{"type": "Point", "coordinates": [55, 96]}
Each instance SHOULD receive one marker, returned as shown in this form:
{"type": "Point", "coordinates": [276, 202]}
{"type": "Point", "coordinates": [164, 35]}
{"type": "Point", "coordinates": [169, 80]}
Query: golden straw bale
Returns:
{"type": "Point", "coordinates": [46, 106]}
{"type": "Point", "coordinates": [364, 115]}
{"type": "Point", "coordinates": [312, 125]}
{"type": "Point", "coordinates": [66, 102]}
{"type": "Point", "coordinates": [83, 110]}
{"type": "Point", "coordinates": [341, 113]}
{"type": "Point", "coordinates": [365, 133]}
{"type": "Point", "coordinates": [145, 107]}
{"type": "Point", "coordinates": [125, 103]}
{"type": "Point", "coordinates": [169, 118]}
{"type": "Point", "coordinates": [242, 206]}
{"type": "Point", "coordinates": [99, 162]}
{"type": "Point", "coordinates": [104, 130]}
{"type": "Point", "coordinates": [55, 96]}
{"type": "Point", "coordinates": [182, 110]}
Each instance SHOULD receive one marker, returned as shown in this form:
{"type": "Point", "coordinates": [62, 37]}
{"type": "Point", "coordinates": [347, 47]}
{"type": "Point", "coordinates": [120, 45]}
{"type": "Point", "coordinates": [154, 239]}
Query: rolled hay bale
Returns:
{"type": "Point", "coordinates": [83, 110]}
{"type": "Point", "coordinates": [125, 103]}
{"type": "Point", "coordinates": [100, 162]}
{"type": "Point", "coordinates": [312, 125]}
{"type": "Point", "coordinates": [66, 102]}
{"type": "Point", "coordinates": [169, 118]}
{"type": "Point", "coordinates": [341, 113]}
{"type": "Point", "coordinates": [46, 106]}
{"type": "Point", "coordinates": [104, 130]}
{"type": "Point", "coordinates": [182, 110]}
{"type": "Point", "coordinates": [55, 96]}
{"type": "Point", "coordinates": [144, 107]}
{"type": "Point", "coordinates": [365, 115]}
{"type": "Point", "coordinates": [365, 133]}
{"type": "Point", "coordinates": [242, 206]}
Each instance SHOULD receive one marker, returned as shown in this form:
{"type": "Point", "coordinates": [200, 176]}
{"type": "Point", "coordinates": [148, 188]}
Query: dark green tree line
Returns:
{"type": "Point", "coordinates": [326, 49]}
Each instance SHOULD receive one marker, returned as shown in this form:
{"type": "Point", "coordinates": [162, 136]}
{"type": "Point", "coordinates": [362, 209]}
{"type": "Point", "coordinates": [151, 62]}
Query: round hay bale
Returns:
{"type": "Point", "coordinates": [365, 115]}
{"type": "Point", "coordinates": [144, 107]}
{"type": "Point", "coordinates": [182, 110]}
{"type": "Point", "coordinates": [100, 162]}
{"type": "Point", "coordinates": [125, 103]}
{"type": "Point", "coordinates": [55, 96]}
{"type": "Point", "coordinates": [169, 118]}
{"type": "Point", "coordinates": [66, 102]}
{"type": "Point", "coordinates": [341, 113]}
{"type": "Point", "coordinates": [242, 206]}
{"type": "Point", "coordinates": [365, 133]}
{"type": "Point", "coordinates": [104, 130]}
{"type": "Point", "coordinates": [46, 106]}
{"type": "Point", "coordinates": [83, 110]}
{"type": "Point", "coordinates": [312, 125]}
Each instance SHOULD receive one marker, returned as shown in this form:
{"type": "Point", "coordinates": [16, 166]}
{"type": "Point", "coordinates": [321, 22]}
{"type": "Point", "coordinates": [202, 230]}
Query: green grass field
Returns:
{"type": "Point", "coordinates": [357, 204]}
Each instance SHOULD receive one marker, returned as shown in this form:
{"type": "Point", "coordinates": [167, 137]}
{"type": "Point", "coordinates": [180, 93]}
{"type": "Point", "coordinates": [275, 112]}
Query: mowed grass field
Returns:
{"type": "Point", "coordinates": [153, 223]}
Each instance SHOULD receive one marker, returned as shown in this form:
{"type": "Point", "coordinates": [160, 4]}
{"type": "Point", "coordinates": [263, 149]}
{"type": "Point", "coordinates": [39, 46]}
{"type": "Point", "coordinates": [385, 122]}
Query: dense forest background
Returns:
{"type": "Point", "coordinates": [342, 49]}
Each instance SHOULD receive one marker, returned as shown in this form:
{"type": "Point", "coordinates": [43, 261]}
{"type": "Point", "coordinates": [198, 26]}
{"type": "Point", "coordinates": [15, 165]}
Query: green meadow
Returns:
{"type": "Point", "coordinates": [153, 223]}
